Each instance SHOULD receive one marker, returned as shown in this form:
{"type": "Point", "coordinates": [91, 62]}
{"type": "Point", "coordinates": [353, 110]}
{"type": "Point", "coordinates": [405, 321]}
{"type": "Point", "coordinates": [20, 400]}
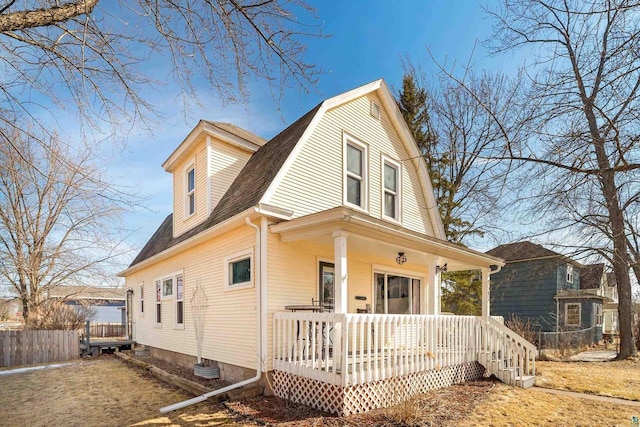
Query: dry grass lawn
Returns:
{"type": "Point", "coordinates": [102, 392]}
{"type": "Point", "coordinates": [510, 406]}
{"type": "Point", "coordinates": [107, 392]}
{"type": "Point", "coordinates": [616, 379]}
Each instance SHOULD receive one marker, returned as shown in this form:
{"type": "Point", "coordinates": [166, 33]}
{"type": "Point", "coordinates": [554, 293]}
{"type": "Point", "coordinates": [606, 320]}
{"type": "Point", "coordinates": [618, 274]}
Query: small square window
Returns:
{"type": "Point", "coordinates": [238, 270]}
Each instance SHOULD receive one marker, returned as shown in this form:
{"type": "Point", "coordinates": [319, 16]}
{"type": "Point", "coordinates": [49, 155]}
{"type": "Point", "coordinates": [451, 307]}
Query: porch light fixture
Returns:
{"type": "Point", "coordinates": [442, 269]}
{"type": "Point", "coordinates": [401, 258]}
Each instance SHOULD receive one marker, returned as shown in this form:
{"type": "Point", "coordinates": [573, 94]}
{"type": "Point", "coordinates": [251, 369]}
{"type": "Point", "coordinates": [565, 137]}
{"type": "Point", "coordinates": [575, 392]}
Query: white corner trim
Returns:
{"type": "Point", "coordinates": [209, 175]}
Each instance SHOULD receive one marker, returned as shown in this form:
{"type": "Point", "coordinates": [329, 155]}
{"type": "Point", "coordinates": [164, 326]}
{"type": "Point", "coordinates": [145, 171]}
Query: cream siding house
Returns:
{"type": "Point", "coordinates": [320, 253]}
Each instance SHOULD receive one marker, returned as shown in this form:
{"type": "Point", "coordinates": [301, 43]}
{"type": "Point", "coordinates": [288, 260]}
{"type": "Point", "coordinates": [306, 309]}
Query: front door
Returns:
{"type": "Point", "coordinates": [326, 286]}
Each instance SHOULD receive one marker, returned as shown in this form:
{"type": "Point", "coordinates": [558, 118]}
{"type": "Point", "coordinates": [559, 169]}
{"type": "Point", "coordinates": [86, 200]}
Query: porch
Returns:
{"type": "Point", "coordinates": [347, 363]}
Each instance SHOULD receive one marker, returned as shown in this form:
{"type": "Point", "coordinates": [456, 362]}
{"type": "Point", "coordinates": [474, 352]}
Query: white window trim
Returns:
{"type": "Point", "coordinates": [569, 274]}
{"type": "Point", "coordinates": [566, 312]}
{"type": "Point", "coordinates": [141, 299]}
{"type": "Point", "coordinates": [398, 166]}
{"type": "Point", "coordinates": [349, 140]}
{"type": "Point", "coordinates": [191, 165]}
{"type": "Point", "coordinates": [238, 256]}
{"type": "Point", "coordinates": [177, 325]}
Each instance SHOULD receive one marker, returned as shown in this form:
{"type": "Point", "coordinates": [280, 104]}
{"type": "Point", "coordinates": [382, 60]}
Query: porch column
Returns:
{"type": "Point", "coordinates": [486, 310]}
{"type": "Point", "coordinates": [341, 276]}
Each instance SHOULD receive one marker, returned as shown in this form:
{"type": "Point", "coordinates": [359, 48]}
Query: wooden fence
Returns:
{"type": "Point", "coordinates": [106, 330]}
{"type": "Point", "coordinates": [24, 348]}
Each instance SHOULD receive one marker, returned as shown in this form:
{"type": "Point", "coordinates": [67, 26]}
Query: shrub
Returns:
{"type": "Point", "coordinates": [527, 329]}
{"type": "Point", "coordinates": [54, 314]}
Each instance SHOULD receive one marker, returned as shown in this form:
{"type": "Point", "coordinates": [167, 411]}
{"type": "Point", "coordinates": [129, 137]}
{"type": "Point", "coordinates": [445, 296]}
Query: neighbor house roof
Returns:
{"type": "Point", "coordinates": [520, 251]}
{"type": "Point", "coordinates": [245, 191]}
{"type": "Point", "coordinates": [591, 276]}
{"type": "Point", "coordinates": [86, 292]}
{"type": "Point", "coordinates": [580, 294]}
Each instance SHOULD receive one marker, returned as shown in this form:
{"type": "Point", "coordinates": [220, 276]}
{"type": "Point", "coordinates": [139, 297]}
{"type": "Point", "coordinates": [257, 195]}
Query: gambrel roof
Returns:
{"type": "Point", "coordinates": [261, 175]}
{"type": "Point", "coordinates": [245, 192]}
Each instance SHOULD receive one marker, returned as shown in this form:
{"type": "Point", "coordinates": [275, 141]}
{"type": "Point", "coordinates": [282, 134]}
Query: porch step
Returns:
{"type": "Point", "coordinates": [526, 381]}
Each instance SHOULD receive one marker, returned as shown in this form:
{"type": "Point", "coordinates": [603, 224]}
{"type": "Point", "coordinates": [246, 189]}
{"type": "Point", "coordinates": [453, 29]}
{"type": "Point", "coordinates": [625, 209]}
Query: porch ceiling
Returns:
{"type": "Point", "coordinates": [381, 238]}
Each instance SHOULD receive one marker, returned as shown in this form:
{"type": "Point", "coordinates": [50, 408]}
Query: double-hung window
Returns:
{"type": "Point", "coordinates": [141, 287]}
{"type": "Point", "coordinates": [158, 302]}
{"type": "Point", "coordinates": [190, 202]}
{"type": "Point", "coordinates": [391, 189]}
{"type": "Point", "coordinates": [572, 314]}
{"type": "Point", "coordinates": [238, 270]}
{"type": "Point", "coordinates": [179, 301]}
{"type": "Point", "coordinates": [355, 173]}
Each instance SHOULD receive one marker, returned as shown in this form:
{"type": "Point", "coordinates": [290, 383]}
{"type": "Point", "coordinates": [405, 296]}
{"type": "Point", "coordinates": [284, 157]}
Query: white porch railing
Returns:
{"type": "Point", "coordinates": [350, 349]}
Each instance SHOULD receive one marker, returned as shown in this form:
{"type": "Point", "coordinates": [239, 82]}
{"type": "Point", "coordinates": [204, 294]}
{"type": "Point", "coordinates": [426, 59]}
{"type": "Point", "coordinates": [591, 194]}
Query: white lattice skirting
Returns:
{"type": "Point", "coordinates": [365, 397]}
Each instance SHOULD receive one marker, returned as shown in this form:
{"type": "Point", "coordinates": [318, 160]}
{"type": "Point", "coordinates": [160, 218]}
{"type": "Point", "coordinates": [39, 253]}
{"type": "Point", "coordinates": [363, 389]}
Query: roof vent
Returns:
{"type": "Point", "coordinates": [375, 110]}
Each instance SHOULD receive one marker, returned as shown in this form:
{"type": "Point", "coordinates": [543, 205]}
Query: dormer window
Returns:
{"type": "Point", "coordinates": [355, 173]}
{"type": "Point", "coordinates": [190, 201]}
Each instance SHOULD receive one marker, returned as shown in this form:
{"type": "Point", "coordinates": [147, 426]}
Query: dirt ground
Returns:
{"type": "Point", "coordinates": [108, 392]}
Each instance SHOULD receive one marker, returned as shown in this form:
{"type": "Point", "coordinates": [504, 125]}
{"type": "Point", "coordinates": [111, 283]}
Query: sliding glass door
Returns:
{"type": "Point", "coordinates": [396, 294]}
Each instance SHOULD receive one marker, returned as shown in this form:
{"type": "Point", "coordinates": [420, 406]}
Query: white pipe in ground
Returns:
{"type": "Point", "coordinates": [261, 298]}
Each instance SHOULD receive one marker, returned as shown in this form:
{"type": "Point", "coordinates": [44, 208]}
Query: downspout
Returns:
{"type": "Point", "coordinates": [261, 324]}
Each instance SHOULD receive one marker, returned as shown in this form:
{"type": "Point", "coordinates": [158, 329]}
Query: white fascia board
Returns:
{"type": "Point", "coordinates": [210, 130]}
{"type": "Point", "coordinates": [326, 105]}
{"type": "Point", "coordinates": [218, 229]}
{"type": "Point", "coordinates": [411, 146]}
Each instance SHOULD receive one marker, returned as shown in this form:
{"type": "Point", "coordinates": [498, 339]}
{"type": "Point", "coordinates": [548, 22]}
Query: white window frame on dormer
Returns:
{"type": "Point", "coordinates": [189, 194]}
{"type": "Point", "coordinates": [348, 140]}
{"type": "Point", "coordinates": [397, 166]}
{"type": "Point", "coordinates": [569, 275]}
{"type": "Point", "coordinates": [228, 265]}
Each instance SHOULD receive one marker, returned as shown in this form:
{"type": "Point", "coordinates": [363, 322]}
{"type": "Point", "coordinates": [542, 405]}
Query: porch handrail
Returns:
{"type": "Point", "coordinates": [514, 336]}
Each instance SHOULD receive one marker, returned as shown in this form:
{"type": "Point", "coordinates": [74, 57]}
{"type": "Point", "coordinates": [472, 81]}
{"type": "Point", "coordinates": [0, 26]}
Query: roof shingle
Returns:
{"type": "Point", "coordinates": [245, 191]}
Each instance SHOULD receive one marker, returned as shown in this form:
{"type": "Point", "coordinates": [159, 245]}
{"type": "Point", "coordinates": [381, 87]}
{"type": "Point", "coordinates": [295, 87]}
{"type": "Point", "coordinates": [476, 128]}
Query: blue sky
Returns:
{"type": "Point", "coordinates": [368, 41]}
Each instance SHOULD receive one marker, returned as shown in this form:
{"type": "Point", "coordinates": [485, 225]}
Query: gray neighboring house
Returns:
{"type": "Point", "coordinates": [553, 291]}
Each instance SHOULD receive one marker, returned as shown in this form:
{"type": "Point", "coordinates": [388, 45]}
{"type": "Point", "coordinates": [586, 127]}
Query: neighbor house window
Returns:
{"type": "Point", "coordinates": [598, 313]}
{"type": "Point", "coordinates": [141, 286]}
{"type": "Point", "coordinates": [238, 270]}
{"type": "Point", "coordinates": [158, 302]}
{"type": "Point", "coordinates": [355, 173]}
{"type": "Point", "coordinates": [572, 314]}
{"type": "Point", "coordinates": [569, 273]}
{"type": "Point", "coordinates": [391, 189]}
{"type": "Point", "coordinates": [179, 301]}
{"type": "Point", "coordinates": [191, 190]}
